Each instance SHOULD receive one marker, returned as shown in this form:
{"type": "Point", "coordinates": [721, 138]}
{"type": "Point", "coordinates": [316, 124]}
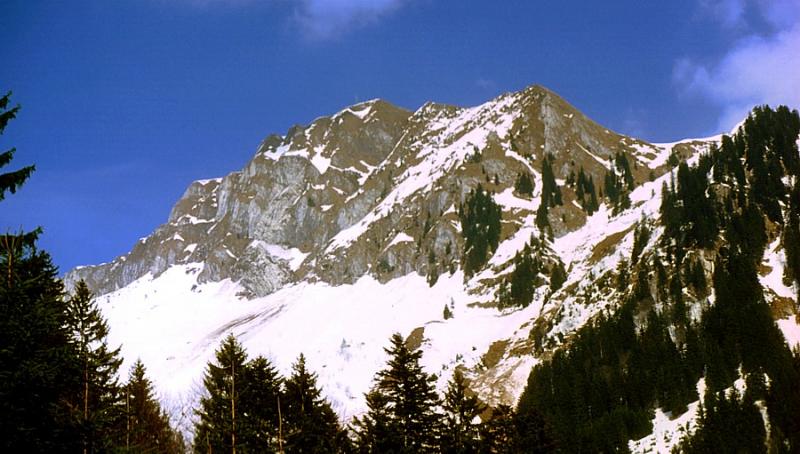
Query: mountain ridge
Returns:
{"type": "Point", "coordinates": [299, 142]}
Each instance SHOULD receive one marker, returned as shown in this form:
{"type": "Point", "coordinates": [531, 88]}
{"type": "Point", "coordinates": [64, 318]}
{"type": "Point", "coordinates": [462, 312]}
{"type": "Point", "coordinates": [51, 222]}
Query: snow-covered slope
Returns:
{"type": "Point", "coordinates": [325, 244]}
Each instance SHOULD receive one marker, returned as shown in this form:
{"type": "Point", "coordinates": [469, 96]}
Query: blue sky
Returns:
{"type": "Point", "coordinates": [125, 102]}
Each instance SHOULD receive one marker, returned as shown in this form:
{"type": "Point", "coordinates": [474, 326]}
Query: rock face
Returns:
{"type": "Point", "coordinates": [255, 226]}
{"type": "Point", "coordinates": [372, 189]}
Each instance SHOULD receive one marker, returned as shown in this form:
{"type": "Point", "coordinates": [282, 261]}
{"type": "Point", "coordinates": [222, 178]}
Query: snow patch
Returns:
{"type": "Point", "coordinates": [776, 260]}
{"type": "Point", "coordinates": [293, 255]}
{"type": "Point", "coordinates": [791, 331]}
{"type": "Point", "coordinates": [401, 237]}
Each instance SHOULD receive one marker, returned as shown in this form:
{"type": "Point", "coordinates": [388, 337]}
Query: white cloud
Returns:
{"type": "Point", "coordinates": [322, 19]}
{"type": "Point", "coordinates": [758, 69]}
{"type": "Point", "coordinates": [755, 71]}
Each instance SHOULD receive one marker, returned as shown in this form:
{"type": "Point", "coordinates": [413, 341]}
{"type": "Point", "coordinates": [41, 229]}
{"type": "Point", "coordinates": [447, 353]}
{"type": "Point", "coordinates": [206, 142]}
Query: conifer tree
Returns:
{"type": "Point", "coordinates": [310, 425]}
{"type": "Point", "coordinates": [640, 238]}
{"type": "Point", "coordinates": [541, 219]}
{"type": "Point", "coordinates": [499, 432]}
{"type": "Point", "coordinates": [260, 392]}
{"type": "Point", "coordinates": [375, 432]}
{"type": "Point", "coordinates": [10, 181]}
{"type": "Point", "coordinates": [791, 237]}
{"type": "Point", "coordinates": [480, 226]}
{"type": "Point", "coordinates": [524, 184]}
{"type": "Point", "coordinates": [38, 364]}
{"type": "Point", "coordinates": [532, 433]}
{"type": "Point", "coordinates": [585, 192]}
{"type": "Point", "coordinates": [727, 423]}
{"type": "Point", "coordinates": [520, 284]}
{"type": "Point", "coordinates": [147, 427]}
{"type": "Point", "coordinates": [220, 412]}
{"type": "Point", "coordinates": [98, 407]}
{"type": "Point", "coordinates": [621, 162]}
{"type": "Point", "coordinates": [460, 434]}
{"type": "Point", "coordinates": [551, 193]}
{"type": "Point", "coordinates": [558, 275]}
{"type": "Point", "coordinates": [401, 417]}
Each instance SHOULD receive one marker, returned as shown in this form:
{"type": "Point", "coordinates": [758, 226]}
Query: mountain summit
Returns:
{"type": "Point", "coordinates": [308, 202]}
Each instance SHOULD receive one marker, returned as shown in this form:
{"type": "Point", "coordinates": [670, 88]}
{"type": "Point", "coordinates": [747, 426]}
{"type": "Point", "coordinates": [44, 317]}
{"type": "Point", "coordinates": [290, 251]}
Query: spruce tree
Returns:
{"type": "Point", "coordinates": [541, 218]}
{"type": "Point", "coordinates": [519, 286]}
{"type": "Point", "coordinates": [98, 407]}
{"type": "Point", "coordinates": [39, 366]}
{"type": "Point", "coordinates": [480, 226]}
{"type": "Point", "coordinates": [403, 401]}
{"type": "Point", "coordinates": [524, 184]}
{"type": "Point", "coordinates": [551, 193]}
{"type": "Point", "coordinates": [375, 432]}
{"type": "Point", "coordinates": [532, 433]}
{"type": "Point", "coordinates": [39, 370]}
{"type": "Point", "coordinates": [791, 237]}
{"type": "Point", "coordinates": [10, 181]}
{"type": "Point", "coordinates": [558, 275]}
{"type": "Point", "coordinates": [147, 427]}
{"type": "Point", "coordinates": [460, 434]}
{"type": "Point", "coordinates": [260, 393]}
{"type": "Point", "coordinates": [499, 432]}
{"type": "Point", "coordinates": [220, 412]}
{"type": "Point", "coordinates": [310, 425]}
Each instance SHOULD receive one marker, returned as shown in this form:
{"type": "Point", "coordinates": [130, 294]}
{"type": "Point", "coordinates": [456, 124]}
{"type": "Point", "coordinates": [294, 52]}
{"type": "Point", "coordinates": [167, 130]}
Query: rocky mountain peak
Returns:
{"type": "Point", "coordinates": [330, 199]}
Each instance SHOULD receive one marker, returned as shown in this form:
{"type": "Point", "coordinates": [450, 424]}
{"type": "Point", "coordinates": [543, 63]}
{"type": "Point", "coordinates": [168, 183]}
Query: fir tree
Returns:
{"type": "Point", "coordinates": [621, 162]}
{"type": "Point", "coordinates": [447, 314]}
{"type": "Point", "coordinates": [558, 275]}
{"type": "Point", "coordinates": [311, 425]}
{"type": "Point", "coordinates": [147, 427]}
{"type": "Point", "coordinates": [459, 433]}
{"type": "Point", "coordinates": [39, 368]}
{"type": "Point", "coordinates": [791, 237]}
{"type": "Point", "coordinates": [403, 400]}
{"type": "Point", "coordinates": [10, 181]}
{"type": "Point", "coordinates": [551, 193]}
{"type": "Point", "coordinates": [260, 392]}
{"type": "Point", "coordinates": [219, 415]}
{"type": "Point", "coordinates": [480, 225]}
{"type": "Point", "coordinates": [727, 423]}
{"type": "Point", "coordinates": [641, 236]}
{"type": "Point", "coordinates": [375, 432]}
{"type": "Point", "coordinates": [521, 283]}
{"type": "Point", "coordinates": [585, 192]}
{"type": "Point", "coordinates": [499, 432]}
{"type": "Point", "coordinates": [541, 219]}
{"type": "Point", "coordinates": [98, 407]}
{"type": "Point", "coordinates": [532, 433]}
{"type": "Point", "coordinates": [524, 184]}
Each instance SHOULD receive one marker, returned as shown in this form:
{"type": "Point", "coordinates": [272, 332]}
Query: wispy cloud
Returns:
{"type": "Point", "coordinates": [486, 84]}
{"type": "Point", "coordinates": [756, 69]}
{"type": "Point", "coordinates": [323, 19]}
{"type": "Point", "coordinates": [319, 20]}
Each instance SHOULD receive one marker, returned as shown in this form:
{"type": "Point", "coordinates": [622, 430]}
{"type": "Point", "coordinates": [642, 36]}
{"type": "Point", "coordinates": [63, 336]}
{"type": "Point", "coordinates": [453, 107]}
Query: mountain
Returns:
{"type": "Point", "coordinates": [343, 231]}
